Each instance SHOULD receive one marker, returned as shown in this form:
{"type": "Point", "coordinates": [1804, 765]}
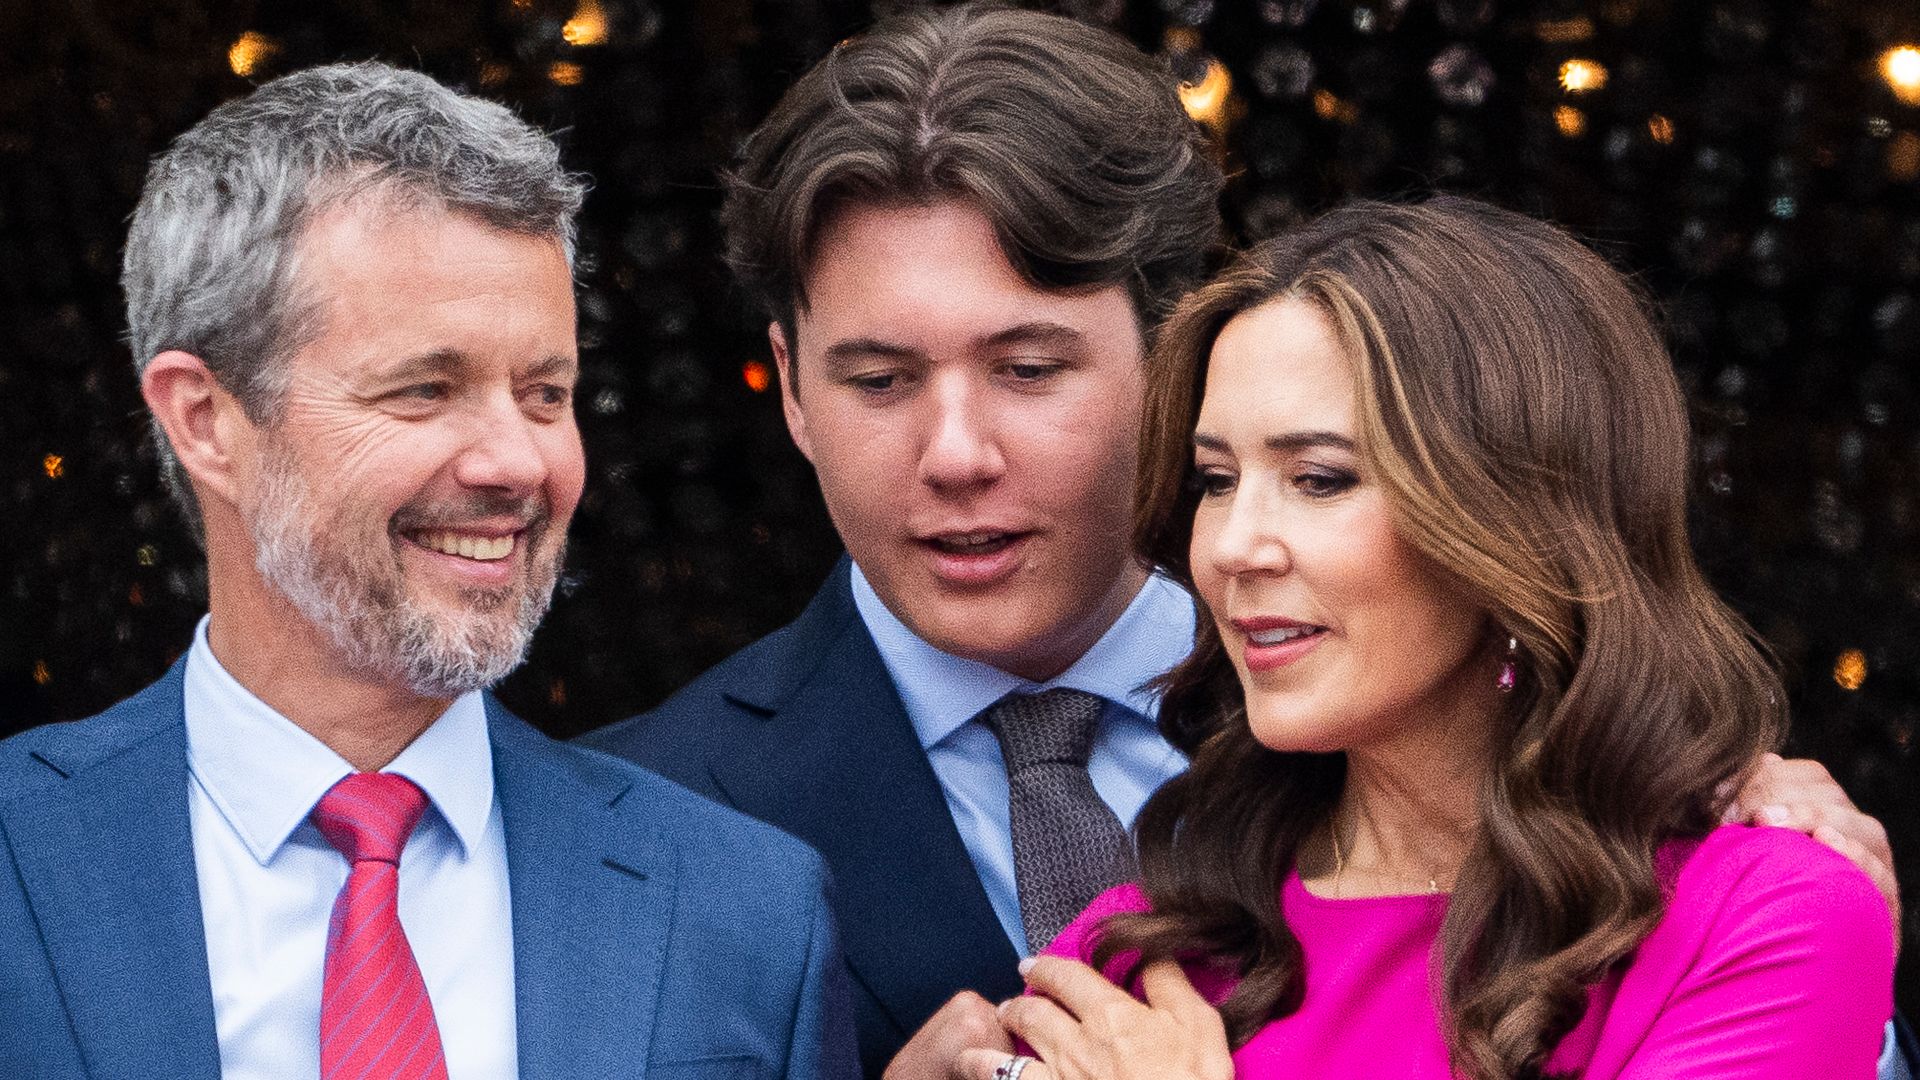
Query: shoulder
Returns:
{"type": "Point", "coordinates": [46, 755]}
{"type": "Point", "coordinates": [709, 836]}
{"type": "Point", "coordinates": [1740, 865]}
{"type": "Point", "coordinates": [1747, 895]}
{"type": "Point", "coordinates": [727, 703]}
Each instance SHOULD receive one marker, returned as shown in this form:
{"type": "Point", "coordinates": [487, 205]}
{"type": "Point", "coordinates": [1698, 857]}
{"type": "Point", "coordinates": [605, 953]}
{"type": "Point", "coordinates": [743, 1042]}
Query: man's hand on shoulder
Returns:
{"type": "Point", "coordinates": [967, 1021]}
{"type": "Point", "coordinates": [1801, 795]}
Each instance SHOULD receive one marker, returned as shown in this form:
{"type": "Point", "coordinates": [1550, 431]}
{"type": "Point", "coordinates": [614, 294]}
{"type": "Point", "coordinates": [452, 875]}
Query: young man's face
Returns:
{"type": "Point", "coordinates": [974, 435]}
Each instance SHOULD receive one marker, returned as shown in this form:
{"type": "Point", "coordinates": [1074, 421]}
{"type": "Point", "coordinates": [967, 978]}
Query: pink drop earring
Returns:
{"type": "Point", "coordinates": [1509, 668]}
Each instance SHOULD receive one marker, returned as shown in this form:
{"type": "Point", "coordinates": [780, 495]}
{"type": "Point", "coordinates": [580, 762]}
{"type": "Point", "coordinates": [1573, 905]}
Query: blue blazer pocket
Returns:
{"type": "Point", "coordinates": [729, 1067]}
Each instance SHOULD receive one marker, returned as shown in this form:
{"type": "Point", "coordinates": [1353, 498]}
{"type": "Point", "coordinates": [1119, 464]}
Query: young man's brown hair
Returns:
{"type": "Point", "coordinates": [1070, 140]}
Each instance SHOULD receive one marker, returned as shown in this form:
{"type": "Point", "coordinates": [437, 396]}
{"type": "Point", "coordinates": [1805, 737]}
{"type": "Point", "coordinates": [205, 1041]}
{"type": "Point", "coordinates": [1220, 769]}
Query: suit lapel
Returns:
{"type": "Point", "coordinates": [839, 766]}
{"type": "Point", "coordinates": [106, 859]}
{"type": "Point", "coordinates": [592, 900]}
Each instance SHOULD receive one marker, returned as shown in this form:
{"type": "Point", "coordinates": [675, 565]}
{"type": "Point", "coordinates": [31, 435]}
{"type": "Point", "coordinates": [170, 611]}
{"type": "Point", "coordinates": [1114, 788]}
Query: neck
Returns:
{"type": "Point", "coordinates": [292, 666]}
{"type": "Point", "coordinates": [1410, 811]}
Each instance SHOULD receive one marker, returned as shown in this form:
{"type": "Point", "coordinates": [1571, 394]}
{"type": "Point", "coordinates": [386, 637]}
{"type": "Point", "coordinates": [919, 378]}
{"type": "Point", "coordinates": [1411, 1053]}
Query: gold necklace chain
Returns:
{"type": "Point", "coordinates": [1340, 863]}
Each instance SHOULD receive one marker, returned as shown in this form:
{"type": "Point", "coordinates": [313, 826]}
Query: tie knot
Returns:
{"type": "Point", "coordinates": [368, 816]}
{"type": "Point", "coordinates": [1040, 729]}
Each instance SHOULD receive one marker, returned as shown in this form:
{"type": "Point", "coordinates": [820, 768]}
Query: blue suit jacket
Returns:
{"type": "Point", "coordinates": [655, 935]}
{"type": "Point", "coordinates": [804, 729]}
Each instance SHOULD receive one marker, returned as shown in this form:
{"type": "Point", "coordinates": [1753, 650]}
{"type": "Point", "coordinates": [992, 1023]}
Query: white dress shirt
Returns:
{"type": "Point", "coordinates": [268, 879]}
{"type": "Point", "coordinates": [945, 695]}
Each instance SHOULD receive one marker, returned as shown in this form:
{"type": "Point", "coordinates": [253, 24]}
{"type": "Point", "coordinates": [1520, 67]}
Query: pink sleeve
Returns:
{"type": "Point", "coordinates": [1781, 962]}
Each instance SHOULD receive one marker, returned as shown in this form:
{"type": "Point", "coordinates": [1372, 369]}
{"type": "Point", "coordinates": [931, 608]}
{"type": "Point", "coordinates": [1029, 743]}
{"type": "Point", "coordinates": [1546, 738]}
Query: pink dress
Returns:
{"type": "Point", "coordinates": [1774, 959]}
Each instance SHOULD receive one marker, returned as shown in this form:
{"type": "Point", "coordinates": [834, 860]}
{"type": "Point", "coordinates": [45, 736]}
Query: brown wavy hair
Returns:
{"type": "Point", "coordinates": [1064, 135]}
{"type": "Point", "coordinates": [1521, 413]}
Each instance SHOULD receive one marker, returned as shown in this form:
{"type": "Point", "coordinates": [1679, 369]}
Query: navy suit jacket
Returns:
{"type": "Point", "coordinates": [804, 729]}
{"type": "Point", "coordinates": [655, 935]}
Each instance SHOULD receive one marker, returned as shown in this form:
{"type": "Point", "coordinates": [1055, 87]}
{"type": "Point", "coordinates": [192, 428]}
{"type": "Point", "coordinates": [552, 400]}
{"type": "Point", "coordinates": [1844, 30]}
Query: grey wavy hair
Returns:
{"type": "Point", "coordinates": [212, 259]}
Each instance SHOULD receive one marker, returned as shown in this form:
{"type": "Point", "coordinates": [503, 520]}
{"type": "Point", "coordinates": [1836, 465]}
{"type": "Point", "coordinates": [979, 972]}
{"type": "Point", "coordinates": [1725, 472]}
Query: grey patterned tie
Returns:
{"type": "Point", "coordinates": [1068, 847]}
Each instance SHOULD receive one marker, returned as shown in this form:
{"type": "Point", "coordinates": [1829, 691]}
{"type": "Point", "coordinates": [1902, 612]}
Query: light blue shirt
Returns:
{"type": "Point", "coordinates": [944, 696]}
{"type": "Point", "coordinates": [268, 879]}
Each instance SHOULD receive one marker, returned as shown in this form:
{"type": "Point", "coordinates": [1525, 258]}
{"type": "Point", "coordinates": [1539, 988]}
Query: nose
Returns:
{"type": "Point", "coordinates": [1248, 535]}
{"type": "Point", "coordinates": [962, 449]}
{"type": "Point", "coordinates": [504, 451]}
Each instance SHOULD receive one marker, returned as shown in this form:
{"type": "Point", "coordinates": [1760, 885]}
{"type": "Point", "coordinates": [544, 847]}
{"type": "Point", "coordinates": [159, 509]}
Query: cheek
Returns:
{"type": "Point", "coordinates": [1208, 583]}
{"type": "Point", "coordinates": [566, 468]}
{"type": "Point", "coordinates": [1410, 623]}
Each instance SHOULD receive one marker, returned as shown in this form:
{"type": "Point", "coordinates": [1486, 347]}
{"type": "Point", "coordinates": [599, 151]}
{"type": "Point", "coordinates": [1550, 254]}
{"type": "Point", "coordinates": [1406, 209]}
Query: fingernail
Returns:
{"type": "Point", "coordinates": [1026, 965]}
{"type": "Point", "coordinates": [1774, 814]}
{"type": "Point", "coordinates": [1004, 1006]}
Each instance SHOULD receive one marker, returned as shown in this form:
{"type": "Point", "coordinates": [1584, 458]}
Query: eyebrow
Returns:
{"type": "Point", "coordinates": [1291, 442]}
{"type": "Point", "coordinates": [1034, 333]}
{"type": "Point", "coordinates": [1037, 333]}
{"type": "Point", "coordinates": [449, 362]}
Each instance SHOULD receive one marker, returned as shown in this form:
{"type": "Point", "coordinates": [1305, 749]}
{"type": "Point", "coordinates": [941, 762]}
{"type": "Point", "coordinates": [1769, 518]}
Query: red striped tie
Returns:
{"type": "Point", "coordinates": [375, 1018]}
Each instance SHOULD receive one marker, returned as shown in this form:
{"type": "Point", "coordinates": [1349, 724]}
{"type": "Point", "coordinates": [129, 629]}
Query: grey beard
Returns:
{"type": "Point", "coordinates": [359, 600]}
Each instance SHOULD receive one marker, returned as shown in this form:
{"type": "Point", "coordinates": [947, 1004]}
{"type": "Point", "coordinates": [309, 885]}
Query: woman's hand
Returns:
{"type": "Point", "coordinates": [1085, 1028]}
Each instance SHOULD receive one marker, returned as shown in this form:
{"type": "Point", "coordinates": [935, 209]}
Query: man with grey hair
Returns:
{"type": "Point", "coordinates": [316, 847]}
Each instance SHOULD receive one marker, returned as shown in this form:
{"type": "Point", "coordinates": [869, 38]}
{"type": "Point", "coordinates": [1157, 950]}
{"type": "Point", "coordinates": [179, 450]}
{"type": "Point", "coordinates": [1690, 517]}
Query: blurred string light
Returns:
{"type": "Point", "coordinates": [588, 25]}
{"type": "Point", "coordinates": [1900, 66]}
{"type": "Point", "coordinates": [757, 376]}
{"type": "Point", "coordinates": [1903, 157]}
{"type": "Point", "coordinates": [1571, 121]}
{"type": "Point", "coordinates": [566, 74]}
{"type": "Point", "coordinates": [1328, 105]}
{"type": "Point", "coordinates": [1206, 100]}
{"type": "Point", "coordinates": [1850, 669]}
{"type": "Point", "coordinates": [1661, 129]}
{"type": "Point", "coordinates": [1578, 76]}
{"type": "Point", "coordinates": [54, 466]}
{"type": "Point", "coordinates": [40, 673]}
{"type": "Point", "coordinates": [250, 53]}
{"type": "Point", "coordinates": [1562, 31]}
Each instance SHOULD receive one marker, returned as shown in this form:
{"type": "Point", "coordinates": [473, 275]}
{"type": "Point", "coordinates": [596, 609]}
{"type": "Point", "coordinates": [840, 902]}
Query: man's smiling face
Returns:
{"type": "Point", "coordinates": [974, 435]}
{"type": "Point", "coordinates": [411, 495]}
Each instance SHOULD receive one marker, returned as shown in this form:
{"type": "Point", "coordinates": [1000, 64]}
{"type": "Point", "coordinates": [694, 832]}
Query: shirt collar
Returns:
{"type": "Point", "coordinates": [265, 773]}
{"type": "Point", "coordinates": [941, 691]}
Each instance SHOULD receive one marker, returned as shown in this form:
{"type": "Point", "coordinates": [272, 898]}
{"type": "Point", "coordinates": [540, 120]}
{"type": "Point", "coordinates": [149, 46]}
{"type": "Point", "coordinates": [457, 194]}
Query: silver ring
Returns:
{"type": "Point", "coordinates": [1011, 1068]}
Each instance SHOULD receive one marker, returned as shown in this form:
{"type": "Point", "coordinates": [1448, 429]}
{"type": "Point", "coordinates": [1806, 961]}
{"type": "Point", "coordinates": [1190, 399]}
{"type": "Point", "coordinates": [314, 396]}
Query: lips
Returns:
{"type": "Point", "coordinates": [972, 543]}
{"type": "Point", "coordinates": [465, 544]}
{"type": "Point", "coordinates": [974, 557]}
{"type": "Point", "coordinates": [1272, 642]}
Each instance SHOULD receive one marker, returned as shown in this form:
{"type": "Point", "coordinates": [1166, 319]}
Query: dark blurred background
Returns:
{"type": "Point", "coordinates": [1754, 163]}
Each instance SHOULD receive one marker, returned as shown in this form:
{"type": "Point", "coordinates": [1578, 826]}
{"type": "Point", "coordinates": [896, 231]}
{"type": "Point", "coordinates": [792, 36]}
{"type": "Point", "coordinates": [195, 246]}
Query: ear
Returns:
{"type": "Point", "coordinates": [789, 392]}
{"type": "Point", "coordinates": [205, 425]}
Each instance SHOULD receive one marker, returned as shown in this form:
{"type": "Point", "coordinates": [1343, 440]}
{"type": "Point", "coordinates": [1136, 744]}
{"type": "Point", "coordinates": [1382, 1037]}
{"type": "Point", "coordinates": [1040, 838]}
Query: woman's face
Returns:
{"type": "Point", "coordinates": [1343, 635]}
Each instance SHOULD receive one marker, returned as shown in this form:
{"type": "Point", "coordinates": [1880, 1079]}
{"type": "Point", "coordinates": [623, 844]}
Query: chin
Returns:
{"type": "Point", "coordinates": [1293, 731]}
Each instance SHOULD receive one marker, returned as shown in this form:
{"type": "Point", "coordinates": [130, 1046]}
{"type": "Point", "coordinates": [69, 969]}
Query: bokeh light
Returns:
{"type": "Point", "coordinates": [588, 25]}
{"type": "Point", "coordinates": [1900, 66]}
{"type": "Point", "coordinates": [248, 55]}
{"type": "Point", "coordinates": [1578, 76]}
{"type": "Point", "coordinates": [1850, 669]}
{"type": "Point", "coordinates": [1206, 100]}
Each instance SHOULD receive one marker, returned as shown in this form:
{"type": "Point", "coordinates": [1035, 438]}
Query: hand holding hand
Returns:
{"type": "Point", "coordinates": [966, 1021]}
